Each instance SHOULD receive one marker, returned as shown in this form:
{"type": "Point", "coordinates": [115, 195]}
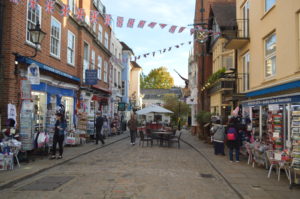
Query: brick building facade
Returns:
{"type": "Point", "coordinates": [68, 49]}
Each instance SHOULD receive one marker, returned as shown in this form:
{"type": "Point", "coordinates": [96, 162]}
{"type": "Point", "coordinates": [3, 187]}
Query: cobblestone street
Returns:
{"type": "Point", "coordinates": [124, 171]}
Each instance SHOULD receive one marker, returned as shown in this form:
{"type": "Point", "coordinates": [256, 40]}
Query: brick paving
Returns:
{"type": "Point", "coordinates": [122, 171]}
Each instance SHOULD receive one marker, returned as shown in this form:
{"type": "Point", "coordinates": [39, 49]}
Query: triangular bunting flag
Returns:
{"type": "Point", "coordinates": [107, 19]}
{"type": "Point", "coordinates": [181, 29]}
{"type": "Point", "coordinates": [170, 48]}
{"type": "Point", "coordinates": [153, 54]}
{"type": "Point", "coordinates": [162, 25]}
{"type": "Point", "coordinates": [33, 4]}
{"type": "Point", "coordinates": [177, 46]}
{"type": "Point", "coordinates": [80, 14]}
{"type": "Point", "coordinates": [172, 29]}
{"type": "Point", "coordinates": [152, 24]}
{"type": "Point", "coordinates": [65, 10]}
{"type": "Point", "coordinates": [141, 24]}
{"type": "Point", "coordinates": [120, 21]}
{"type": "Point", "coordinates": [130, 23]}
{"type": "Point", "coordinates": [192, 31]}
{"type": "Point", "coordinates": [94, 16]}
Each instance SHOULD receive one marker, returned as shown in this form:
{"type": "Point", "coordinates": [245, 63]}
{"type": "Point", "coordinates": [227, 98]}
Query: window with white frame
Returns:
{"type": "Point", "coordinates": [112, 48]}
{"type": "Point", "coordinates": [119, 78]}
{"type": "Point", "coordinates": [100, 30]}
{"type": "Point", "coordinates": [115, 76]}
{"type": "Point", "coordinates": [105, 72]}
{"type": "Point", "coordinates": [269, 4]}
{"type": "Point", "coordinates": [270, 55]}
{"type": "Point", "coordinates": [106, 40]}
{"type": "Point", "coordinates": [72, 6]}
{"type": "Point", "coordinates": [86, 55]}
{"type": "Point", "coordinates": [246, 8]}
{"type": "Point", "coordinates": [246, 65]}
{"type": "Point", "coordinates": [99, 69]}
{"type": "Point", "coordinates": [71, 48]}
{"type": "Point", "coordinates": [55, 37]}
{"type": "Point", "coordinates": [93, 62]}
{"type": "Point", "coordinates": [34, 17]}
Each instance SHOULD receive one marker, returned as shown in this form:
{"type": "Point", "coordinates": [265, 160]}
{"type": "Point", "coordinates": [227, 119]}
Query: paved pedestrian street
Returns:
{"type": "Point", "coordinates": [122, 171]}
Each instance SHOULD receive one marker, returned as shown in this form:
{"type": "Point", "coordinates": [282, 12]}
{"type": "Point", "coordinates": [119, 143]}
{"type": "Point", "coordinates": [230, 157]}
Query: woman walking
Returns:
{"type": "Point", "coordinates": [218, 137]}
{"type": "Point", "coordinates": [59, 135]}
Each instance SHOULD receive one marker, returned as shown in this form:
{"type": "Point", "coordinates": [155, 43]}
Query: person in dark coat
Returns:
{"type": "Point", "coordinates": [99, 124]}
{"type": "Point", "coordinates": [59, 135]}
{"type": "Point", "coordinates": [132, 125]}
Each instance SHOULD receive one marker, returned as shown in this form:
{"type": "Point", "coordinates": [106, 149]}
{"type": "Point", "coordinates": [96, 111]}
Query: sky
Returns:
{"type": "Point", "coordinates": [147, 40]}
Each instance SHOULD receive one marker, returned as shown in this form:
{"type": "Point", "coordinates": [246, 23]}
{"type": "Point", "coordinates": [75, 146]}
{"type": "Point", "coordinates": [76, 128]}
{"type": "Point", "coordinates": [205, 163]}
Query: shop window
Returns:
{"type": "Point", "coordinates": [68, 102]}
{"type": "Point", "coordinates": [40, 110]}
{"type": "Point", "coordinates": [246, 65]}
{"type": "Point", "coordinates": [269, 4]}
{"type": "Point", "coordinates": [100, 30]}
{"type": "Point", "coordinates": [99, 72]}
{"type": "Point", "coordinates": [55, 37]}
{"type": "Point", "coordinates": [105, 72]}
{"type": "Point", "coordinates": [71, 48]}
{"type": "Point", "coordinates": [270, 55]}
{"type": "Point", "coordinates": [34, 17]}
{"type": "Point", "coordinates": [93, 60]}
{"type": "Point", "coordinates": [106, 40]}
{"type": "Point", "coordinates": [115, 77]}
{"type": "Point", "coordinates": [227, 61]}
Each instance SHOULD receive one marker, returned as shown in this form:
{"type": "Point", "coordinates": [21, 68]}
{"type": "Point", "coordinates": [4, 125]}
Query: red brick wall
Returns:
{"type": "Point", "coordinates": [14, 40]}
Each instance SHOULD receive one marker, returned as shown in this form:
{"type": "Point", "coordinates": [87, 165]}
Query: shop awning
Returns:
{"type": "Point", "coordinates": [45, 67]}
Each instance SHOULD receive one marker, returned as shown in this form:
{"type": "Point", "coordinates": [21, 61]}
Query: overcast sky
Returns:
{"type": "Point", "coordinates": [147, 40]}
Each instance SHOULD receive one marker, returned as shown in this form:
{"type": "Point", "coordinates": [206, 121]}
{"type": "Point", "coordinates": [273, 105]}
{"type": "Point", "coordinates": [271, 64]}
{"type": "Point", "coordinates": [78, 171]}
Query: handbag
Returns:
{"type": "Point", "coordinates": [71, 140]}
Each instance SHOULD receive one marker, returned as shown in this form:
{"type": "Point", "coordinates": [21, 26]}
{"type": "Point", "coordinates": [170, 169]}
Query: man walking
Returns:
{"type": "Point", "coordinates": [99, 124]}
{"type": "Point", "coordinates": [132, 125]}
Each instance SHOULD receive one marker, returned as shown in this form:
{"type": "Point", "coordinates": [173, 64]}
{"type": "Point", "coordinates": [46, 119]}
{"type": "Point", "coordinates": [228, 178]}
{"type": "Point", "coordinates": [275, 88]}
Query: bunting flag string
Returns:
{"type": "Point", "coordinates": [153, 53]}
{"type": "Point", "coordinates": [94, 16]}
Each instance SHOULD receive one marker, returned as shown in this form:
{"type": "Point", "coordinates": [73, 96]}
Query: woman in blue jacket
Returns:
{"type": "Point", "coordinates": [59, 135]}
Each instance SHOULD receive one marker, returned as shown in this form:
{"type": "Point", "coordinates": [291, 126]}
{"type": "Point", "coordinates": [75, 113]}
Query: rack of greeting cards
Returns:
{"type": "Point", "coordinates": [275, 127]}
{"type": "Point", "coordinates": [295, 150]}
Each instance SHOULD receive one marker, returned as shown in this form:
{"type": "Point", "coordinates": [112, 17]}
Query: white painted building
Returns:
{"type": "Point", "coordinates": [116, 73]}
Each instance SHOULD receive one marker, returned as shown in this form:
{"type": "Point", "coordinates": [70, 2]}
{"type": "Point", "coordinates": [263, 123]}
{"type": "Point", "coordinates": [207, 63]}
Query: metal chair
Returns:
{"type": "Point", "coordinates": [145, 139]}
{"type": "Point", "coordinates": [175, 139]}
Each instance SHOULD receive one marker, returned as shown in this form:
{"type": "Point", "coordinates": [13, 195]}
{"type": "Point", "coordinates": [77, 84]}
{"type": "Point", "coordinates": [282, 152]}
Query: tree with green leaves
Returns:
{"type": "Point", "coordinates": [181, 109]}
{"type": "Point", "coordinates": [158, 78]}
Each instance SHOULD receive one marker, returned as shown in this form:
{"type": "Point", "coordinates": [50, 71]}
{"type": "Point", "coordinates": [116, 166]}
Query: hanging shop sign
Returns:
{"type": "Point", "coordinates": [121, 106]}
{"type": "Point", "coordinates": [11, 112]}
{"type": "Point", "coordinates": [91, 77]}
{"type": "Point", "coordinates": [281, 100]}
{"type": "Point", "coordinates": [33, 74]}
{"type": "Point", "coordinates": [25, 90]}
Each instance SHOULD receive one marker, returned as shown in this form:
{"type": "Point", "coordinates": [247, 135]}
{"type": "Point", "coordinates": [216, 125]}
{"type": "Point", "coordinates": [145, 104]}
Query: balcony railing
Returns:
{"type": "Point", "coordinates": [223, 84]}
{"type": "Point", "coordinates": [240, 34]}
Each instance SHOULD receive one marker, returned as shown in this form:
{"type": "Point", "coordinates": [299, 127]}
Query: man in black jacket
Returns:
{"type": "Point", "coordinates": [99, 124]}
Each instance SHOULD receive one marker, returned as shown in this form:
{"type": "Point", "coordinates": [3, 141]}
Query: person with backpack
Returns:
{"type": "Point", "coordinates": [218, 137]}
{"type": "Point", "coordinates": [233, 142]}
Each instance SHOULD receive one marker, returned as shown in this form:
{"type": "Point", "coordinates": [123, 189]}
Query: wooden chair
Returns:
{"type": "Point", "coordinates": [175, 139]}
{"type": "Point", "coordinates": [145, 139]}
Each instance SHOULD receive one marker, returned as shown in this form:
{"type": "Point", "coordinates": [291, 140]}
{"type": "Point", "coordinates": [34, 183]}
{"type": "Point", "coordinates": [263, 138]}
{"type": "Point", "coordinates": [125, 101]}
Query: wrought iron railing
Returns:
{"type": "Point", "coordinates": [240, 29]}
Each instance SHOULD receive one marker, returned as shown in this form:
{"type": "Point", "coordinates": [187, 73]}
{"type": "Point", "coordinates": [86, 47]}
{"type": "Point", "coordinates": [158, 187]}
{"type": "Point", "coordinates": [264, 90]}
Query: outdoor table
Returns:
{"type": "Point", "coordinates": [163, 135]}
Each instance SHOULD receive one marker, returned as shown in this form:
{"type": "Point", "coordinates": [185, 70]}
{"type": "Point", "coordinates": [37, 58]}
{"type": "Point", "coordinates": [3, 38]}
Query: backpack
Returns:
{"type": "Point", "coordinates": [231, 134]}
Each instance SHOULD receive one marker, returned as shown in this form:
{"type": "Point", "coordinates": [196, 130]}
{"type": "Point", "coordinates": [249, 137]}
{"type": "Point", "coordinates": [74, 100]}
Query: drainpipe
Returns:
{"type": "Point", "coordinates": [1, 52]}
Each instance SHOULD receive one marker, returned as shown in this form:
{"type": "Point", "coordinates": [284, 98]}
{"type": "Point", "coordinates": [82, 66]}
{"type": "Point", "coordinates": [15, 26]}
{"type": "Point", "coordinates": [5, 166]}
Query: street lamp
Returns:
{"type": "Point", "coordinates": [37, 36]}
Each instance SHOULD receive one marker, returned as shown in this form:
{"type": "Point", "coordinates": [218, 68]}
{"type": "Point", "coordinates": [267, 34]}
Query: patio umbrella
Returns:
{"type": "Point", "coordinates": [153, 109]}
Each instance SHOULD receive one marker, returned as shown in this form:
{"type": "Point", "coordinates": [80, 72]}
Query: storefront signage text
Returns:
{"type": "Point", "coordinates": [283, 100]}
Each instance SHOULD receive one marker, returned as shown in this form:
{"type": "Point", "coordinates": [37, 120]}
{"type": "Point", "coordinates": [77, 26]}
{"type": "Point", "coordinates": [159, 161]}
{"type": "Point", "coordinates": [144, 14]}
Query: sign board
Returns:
{"type": "Point", "coordinates": [91, 77]}
{"type": "Point", "coordinates": [25, 90]}
{"type": "Point", "coordinates": [33, 74]}
{"type": "Point", "coordinates": [26, 125]}
{"type": "Point", "coordinates": [281, 100]}
{"type": "Point", "coordinates": [12, 112]}
{"type": "Point", "coordinates": [121, 106]}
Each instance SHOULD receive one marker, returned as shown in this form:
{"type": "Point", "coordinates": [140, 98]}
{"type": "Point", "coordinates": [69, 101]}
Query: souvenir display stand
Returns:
{"type": "Point", "coordinates": [9, 150]}
{"type": "Point", "coordinates": [295, 150]}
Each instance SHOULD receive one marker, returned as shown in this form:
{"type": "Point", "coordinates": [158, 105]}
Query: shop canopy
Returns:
{"type": "Point", "coordinates": [153, 109]}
